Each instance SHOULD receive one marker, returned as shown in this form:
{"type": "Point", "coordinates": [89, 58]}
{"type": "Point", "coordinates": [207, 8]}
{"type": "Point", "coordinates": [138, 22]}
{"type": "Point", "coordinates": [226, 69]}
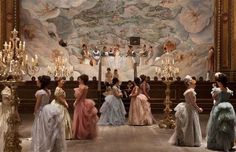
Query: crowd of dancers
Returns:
{"type": "Point", "coordinates": [53, 125]}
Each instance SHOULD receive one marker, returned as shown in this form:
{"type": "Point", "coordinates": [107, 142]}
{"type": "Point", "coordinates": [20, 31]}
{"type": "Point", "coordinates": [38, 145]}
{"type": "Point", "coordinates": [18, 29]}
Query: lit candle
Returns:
{"type": "Point", "coordinates": [20, 45]}
{"type": "Point", "coordinates": [26, 58]}
{"type": "Point", "coordinates": [32, 60]}
{"type": "Point", "coordinates": [23, 47]}
{"type": "Point", "coordinates": [9, 45]}
{"type": "Point", "coordinates": [5, 45]}
{"type": "Point", "coordinates": [36, 58]}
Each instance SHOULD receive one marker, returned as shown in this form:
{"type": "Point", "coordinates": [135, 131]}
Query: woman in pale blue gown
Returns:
{"type": "Point", "coordinates": [47, 131]}
{"type": "Point", "coordinates": [220, 128]}
{"type": "Point", "coordinates": [113, 110]}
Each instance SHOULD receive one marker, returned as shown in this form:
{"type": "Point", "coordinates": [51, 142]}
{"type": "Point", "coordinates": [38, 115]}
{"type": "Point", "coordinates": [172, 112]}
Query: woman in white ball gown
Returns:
{"type": "Point", "coordinates": [47, 131]}
{"type": "Point", "coordinates": [5, 111]}
{"type": "Point", "coordinates": [187, 130]}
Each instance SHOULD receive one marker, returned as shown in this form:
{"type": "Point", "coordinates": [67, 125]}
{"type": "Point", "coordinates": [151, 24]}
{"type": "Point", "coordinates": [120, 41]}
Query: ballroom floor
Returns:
{"type": "Point", "coordinates": [121, 139]}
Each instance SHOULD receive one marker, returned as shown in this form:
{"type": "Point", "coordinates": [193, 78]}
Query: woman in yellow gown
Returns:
{"type": "Point", "coordinates": [60, 102]}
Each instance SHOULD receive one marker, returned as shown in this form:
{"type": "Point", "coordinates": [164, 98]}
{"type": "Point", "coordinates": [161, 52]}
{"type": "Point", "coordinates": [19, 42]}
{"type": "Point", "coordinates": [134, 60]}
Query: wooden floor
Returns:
{"type": "Point", "coordinates": [121, 139]}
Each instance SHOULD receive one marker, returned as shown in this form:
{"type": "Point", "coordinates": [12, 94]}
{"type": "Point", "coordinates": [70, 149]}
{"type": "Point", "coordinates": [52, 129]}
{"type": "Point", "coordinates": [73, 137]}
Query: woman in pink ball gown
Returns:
{"type": "Point", "coordinates": [85, 114]}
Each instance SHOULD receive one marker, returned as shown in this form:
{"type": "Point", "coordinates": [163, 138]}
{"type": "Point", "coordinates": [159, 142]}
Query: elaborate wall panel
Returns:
{"type": "Point", "coordinates": [225, 33]}
{"type": "Point", "coordinates": [9, 15]}
{"type": "Point", "coordinates": [189, 24]}
{"type": "Point", "coordinates": [225, 38]}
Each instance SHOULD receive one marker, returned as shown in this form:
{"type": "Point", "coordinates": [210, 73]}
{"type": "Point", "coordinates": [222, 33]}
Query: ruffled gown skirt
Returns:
{"type": "Point", "coordinates": [47, 131]}
{"type": "Point", "coordinates": [112, 111]}
{"type": "Point", "coordinates": [220, 128]}
{"type": "Point", "coordinates": [66, 119]}
{"type": "Point", "coordinates": [187, 130]}
{"type": "Point", "coordinates": [85, 120]}
{"type": "Point", "coordinates": [140, 111]}
{"type": "Point", "coordinates": [5, 112]}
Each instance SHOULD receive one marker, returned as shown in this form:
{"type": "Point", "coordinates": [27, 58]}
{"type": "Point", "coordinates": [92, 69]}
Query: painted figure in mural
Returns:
{"type": "Point", "coordinates": [96, 55]}
{"type": "Point", "coordinates": [140, 109]}
{"type": "Point", "coordinates": [187, 130]}
{"type": "Point", "coordinates": [86, 56]}
{"type": "Point", "coordinates": [113, 110]}
{"type": "Point", "coordinates": [5, 111]}
{"type": "Point", "coordinates": [47, 131]}
{"type": "Point", "coordinates": [210, 63]}
{"type": "Point", "coordinates": [149, 60]}
{"type": "Point", "coordinates": [143, 55]}
{"type": "Point", "coordinates": [85, 113]}
{"type": "Point", "coordinates": [221, 124]}
{"type": "Point", "coordinates": [61, 103]}
{"type": "Point", "coordinates": [108, 76]}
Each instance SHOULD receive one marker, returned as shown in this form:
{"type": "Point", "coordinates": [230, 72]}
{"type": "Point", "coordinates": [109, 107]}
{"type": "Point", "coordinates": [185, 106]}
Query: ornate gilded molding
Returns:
{"type": "Point", "coordinates": [217, 33]}
{"type": "Point", "coordinates": [9, 16]}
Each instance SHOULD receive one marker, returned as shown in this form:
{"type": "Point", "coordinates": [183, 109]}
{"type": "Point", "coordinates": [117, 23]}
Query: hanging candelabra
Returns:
{"type": "Point", "coordinates": [14, 63]}
{"type": "Point", "coordinates": [167, 72]}
{"type": "Point", "coordinates": [14, 60]}
{"type": "Point", "coordinates": [61, 68]}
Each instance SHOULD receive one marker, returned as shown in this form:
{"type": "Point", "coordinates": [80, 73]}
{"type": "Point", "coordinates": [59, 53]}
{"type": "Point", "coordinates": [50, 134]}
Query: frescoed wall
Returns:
{"type": "Point", "coordinates": [60, 27]}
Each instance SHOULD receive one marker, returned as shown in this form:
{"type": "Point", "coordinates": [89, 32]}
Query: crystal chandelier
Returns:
{"type": "Point", "coordinates": [167, 69]}
{"type": "Point", "coordinates": [61, 68]}
{"type": "Point", "coordinates": [14, 61]}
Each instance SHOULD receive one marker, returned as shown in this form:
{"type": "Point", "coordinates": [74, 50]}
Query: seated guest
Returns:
{"type": "Point", "coordinates": [104, 51]}
{"type": "Point", "coordinates": [96, 56]}
{"type": "Point", "coordinates": [86, 56]}
{"type": "Point", "coordinates": [111, 52]}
